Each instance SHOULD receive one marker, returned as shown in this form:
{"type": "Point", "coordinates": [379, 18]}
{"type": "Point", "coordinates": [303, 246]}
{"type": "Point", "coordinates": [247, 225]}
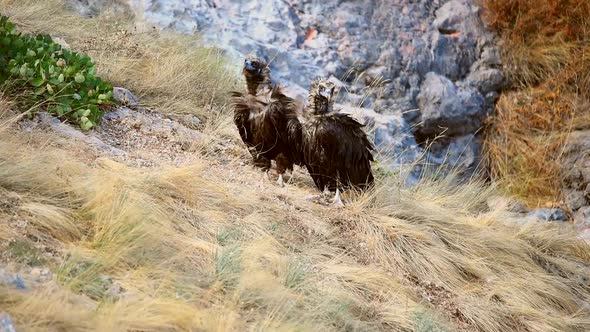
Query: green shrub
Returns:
{"type": "Point", "coordinates": [63, 80]}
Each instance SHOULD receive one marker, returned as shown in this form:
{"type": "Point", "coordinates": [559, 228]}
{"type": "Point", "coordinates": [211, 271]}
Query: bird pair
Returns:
{"type": "Point", "coordinates": [331, 145]}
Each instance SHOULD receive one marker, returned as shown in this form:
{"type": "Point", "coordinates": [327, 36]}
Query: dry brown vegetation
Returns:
{"type": "Point", "coordinates": [201, 247]}
{"type": "Point", "coordinates": [546, 58]}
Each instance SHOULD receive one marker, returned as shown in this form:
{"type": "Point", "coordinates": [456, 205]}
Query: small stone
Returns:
{"type": "Point", "coordinates": [12, 279]}
{"type": "Point", "coordinates": [124, 96]}
{"type": "Point", "coordinates": [6, 324]}
{"type": "Point", "coordinates": [36, 272]}
{"type": "Point", "coordinates": [114, 290]}
{"type": "Point", "coordinates": [545, 214]}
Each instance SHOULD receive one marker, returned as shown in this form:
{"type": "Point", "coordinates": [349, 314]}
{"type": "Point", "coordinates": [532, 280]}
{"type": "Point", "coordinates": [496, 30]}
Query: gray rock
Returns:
{"type": "Point", "coordinates": [575, 179]}
{"type": "Point", "coordinates": [547, 215]}
{"type": "Point", "coordinates": [575, 199]}
{"type": "Point", "coordinates": [582, 218]}
{"type": "Point", "coordinates": [462, 157]}
{"type": "Point", "coordinates": [491, 57]}
{"type": "Point", "coordinates": [153, 124]}
{"type": "Point", "coordinates": [6, 324]}
{"type": "Point", "coordinates": [486, 79]}
{"type": "Point", "coordinates": [454, 42]}
{"type": "Point", "coordinates": [125, 97]}
{"type": "Point", "coordinates": [11, 279]}
{"type": "Point", "coordinates": [94, 7]}
{"type": "Point", "coordinates": [448, 109]}
{"type": "Point", "coordinates": [68, 131]}
{"type": "Point", "coordinates": [391, 134]}
{"type": "Point", "coordinates": [188, 120]}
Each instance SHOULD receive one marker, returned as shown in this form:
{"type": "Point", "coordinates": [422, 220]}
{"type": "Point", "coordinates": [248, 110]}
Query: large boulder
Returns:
{"type": "Point", "coordinates": [391, 133]}
{"type": "Point", "coordinates": [447, 109]}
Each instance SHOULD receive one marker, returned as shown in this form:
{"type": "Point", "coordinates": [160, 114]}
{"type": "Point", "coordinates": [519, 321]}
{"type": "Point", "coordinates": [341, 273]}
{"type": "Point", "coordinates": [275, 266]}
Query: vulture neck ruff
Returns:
{"type": "Point", "coordinates": [319, 105]}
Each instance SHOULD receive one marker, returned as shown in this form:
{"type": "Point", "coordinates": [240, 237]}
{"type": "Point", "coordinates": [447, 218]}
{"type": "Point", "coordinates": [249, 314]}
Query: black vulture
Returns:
{"type": "Point", "coordinates": [334, 147]}
{"type": "Point", "coordinates": [262, 117]}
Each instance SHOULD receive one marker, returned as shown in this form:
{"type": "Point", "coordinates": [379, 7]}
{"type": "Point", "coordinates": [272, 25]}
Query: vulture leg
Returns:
{"type": "Point", "coordinates": [282, 166]}
{"type": "Point", "coordinates": [290, 181]}
{"type": "Point", "coordinates": [337, 202]}
{"type": "Point", "coordinates": [280, 181]}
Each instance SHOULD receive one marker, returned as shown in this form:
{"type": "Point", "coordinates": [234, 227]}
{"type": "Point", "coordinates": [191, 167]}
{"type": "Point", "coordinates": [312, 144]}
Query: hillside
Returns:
{"type": "Point", "coordinates": [156, 220]}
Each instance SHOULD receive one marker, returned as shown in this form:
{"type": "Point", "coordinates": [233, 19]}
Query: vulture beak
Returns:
{"type": "Point", "coordinates": [326, 93]}
{"type": "Point", "coordinates": [249, 66]}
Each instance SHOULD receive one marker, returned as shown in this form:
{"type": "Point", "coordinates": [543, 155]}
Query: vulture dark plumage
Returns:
{"type": "Point", "coordinates": [262, 117]}
{"type": "Point", "coordinates": [334, 147]}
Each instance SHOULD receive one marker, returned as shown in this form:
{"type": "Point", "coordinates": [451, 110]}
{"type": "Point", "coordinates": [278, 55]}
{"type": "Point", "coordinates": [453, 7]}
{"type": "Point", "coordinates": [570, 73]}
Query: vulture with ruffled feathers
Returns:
{"type": "Point", "coordinates": [262, 117]}
{"type": "Point", "coordinates": [334, 147]}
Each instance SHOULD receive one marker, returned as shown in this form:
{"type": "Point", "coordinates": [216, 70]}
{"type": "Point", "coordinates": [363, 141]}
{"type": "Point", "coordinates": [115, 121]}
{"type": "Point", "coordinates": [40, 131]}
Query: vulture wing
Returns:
{"type": "Point", "coordinates": [337, 152]}
{"type": "Point", "coordinates": [263, 123]}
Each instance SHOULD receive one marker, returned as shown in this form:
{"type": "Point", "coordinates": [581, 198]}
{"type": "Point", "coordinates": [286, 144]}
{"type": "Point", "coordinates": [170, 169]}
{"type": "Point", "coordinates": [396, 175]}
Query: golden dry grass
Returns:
{"type": "Point", "coordinates": [203, 248]}
{"type": "Point", "coordinates": [196, 249]}
{"type": "Point", "coordinates": [546, 58]}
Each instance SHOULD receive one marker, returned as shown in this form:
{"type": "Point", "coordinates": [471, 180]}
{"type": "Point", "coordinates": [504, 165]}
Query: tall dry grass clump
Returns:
{"type": "Point", "coordinates": [546, 59]}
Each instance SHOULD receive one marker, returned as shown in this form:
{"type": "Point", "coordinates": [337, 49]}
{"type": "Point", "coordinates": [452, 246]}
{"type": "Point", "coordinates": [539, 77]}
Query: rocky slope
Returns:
{"type": "Point", "coordinates": [429, 67]}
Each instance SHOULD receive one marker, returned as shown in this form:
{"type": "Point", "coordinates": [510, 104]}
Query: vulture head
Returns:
{"type": "Point", "coordinates": [321, 96]}
{"type": "Point", "coordinates": [256, 72]}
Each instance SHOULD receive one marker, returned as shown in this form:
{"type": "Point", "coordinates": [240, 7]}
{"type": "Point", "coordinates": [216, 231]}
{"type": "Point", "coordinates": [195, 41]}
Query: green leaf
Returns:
{"type": "Point", "coordinates": [79, 78]}
{"type": "Point", "coordinates": [86, 125]}
{"type": "Point", "coordinates": [23, 70]}
{"type": "Point", "coordinates": [41, 90]}
{"type": "Point", "coordinates": [18, 44]}
{"type": "Point", "coordinates": [37, 82]}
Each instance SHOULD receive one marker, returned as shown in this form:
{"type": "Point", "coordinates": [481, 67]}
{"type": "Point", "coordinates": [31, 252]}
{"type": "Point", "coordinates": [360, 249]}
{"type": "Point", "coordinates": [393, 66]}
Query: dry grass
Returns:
{"type": "Point", "coordinates": [195, 249]}
{"type": "Point", "coordinates": [547, 59]}
{"type": "Point", "coordinates": [172, 73]}
{"type": "Point", "coordinates": [203, 248]}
